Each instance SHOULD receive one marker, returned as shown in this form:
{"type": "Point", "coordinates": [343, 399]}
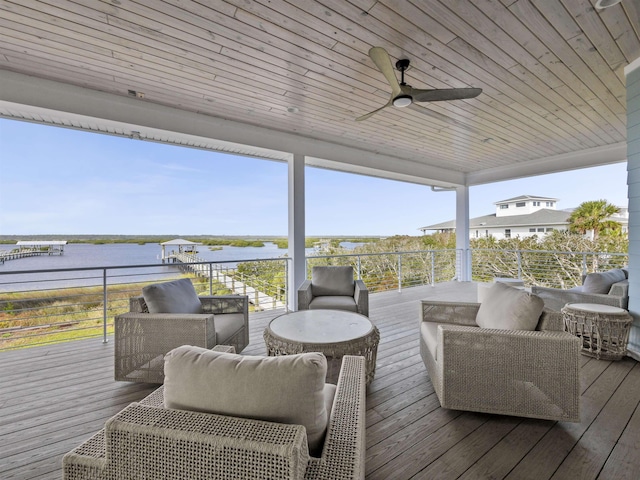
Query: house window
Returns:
{"type": "Point", "coordinates": [540, 229]}
{"type": "Point", "coordinates": [549, 204]}
{"type": "Point", "coordinates": [486, 233]}
{"type": "Point", "coordinates": [550, 229]}
{"type": "Point", "coordinates": [521, 204]}
{"type": "Point", "coordinates": [504, 206]}
{"type": "Point", "coordinates": [507, 233]}
{"type": "Point", "coordinates": [536, 204]}
{"type": "Point", "coordinates": [532, 230]}
{"type": "Point", "coordinates": [477, 234]}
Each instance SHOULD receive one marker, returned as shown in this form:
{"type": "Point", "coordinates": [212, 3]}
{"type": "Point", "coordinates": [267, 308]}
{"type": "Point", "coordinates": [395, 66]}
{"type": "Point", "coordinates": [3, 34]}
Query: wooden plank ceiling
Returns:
{"type": "Point", "coordinates": [551, 71]}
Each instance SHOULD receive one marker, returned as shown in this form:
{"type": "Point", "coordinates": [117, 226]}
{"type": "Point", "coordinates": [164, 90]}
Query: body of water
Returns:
{"type": "Point", "coordinates": [81, 255]}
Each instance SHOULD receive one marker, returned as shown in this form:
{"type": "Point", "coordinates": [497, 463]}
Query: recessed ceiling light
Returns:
{"type": "Point", "coordinates": [602, 4]}
{"type": "Point", "coordinates": [293, 109]}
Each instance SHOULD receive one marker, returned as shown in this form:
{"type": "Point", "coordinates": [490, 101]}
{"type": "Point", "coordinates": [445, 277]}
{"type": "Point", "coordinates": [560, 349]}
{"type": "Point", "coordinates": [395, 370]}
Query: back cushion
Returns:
{"type": "Point", "coordinates": [601, 282]}
{"type": "Point", "coordinates": [287, 389]}
{"type": "Point", "coordinates": [508, 308]}
{"type": "Point", "coordinates": [332, 281]}
{"type": "Point", "coordinates": [177, 296]}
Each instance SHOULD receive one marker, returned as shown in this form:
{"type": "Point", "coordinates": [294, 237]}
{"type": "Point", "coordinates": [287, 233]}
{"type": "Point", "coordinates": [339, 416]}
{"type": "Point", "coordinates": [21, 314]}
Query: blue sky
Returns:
{"type": "Point", "coordinates": [62, 181]}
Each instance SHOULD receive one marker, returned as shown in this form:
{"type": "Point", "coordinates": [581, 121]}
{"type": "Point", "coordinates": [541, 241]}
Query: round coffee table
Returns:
{"type": "Point", "coordinates": [333, 332]}
{"type": "Point", "coordinates": [604, 329]}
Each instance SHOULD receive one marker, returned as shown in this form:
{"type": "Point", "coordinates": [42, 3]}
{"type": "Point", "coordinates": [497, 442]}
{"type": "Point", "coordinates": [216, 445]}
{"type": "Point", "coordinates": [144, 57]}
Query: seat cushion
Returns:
{"type": "Point", "coordinates": [601, 282]}
{"type": "Point", "coordinates": [288, 389]}
{"type": "Point", "coordinates": [332, 281]}
{"type": "Point", "coordinates": [429, 332]}
{"type": "Point", "coordinates": [177, 296]}
{"type": "Point", "coordinates": [508, 308]}
{"type": "Point", "coordinates": [227, 324]}
{"type": "Point", "coordinates": [331, 302]}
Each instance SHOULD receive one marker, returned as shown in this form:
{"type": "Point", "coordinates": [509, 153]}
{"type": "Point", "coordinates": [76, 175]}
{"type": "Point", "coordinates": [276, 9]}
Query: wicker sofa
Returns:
{"type": "Point", "coordinates": [509, 372]}
{"type": "Point", "coordinates": [146, 440]}
{"type": "Point", "coordinates": [614, 292]}
{"type": "Point", "coordinates": [141, 338]}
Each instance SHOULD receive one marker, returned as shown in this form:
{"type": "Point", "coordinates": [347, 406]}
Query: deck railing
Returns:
{"type": "Point", "coordinates": [47, 306]}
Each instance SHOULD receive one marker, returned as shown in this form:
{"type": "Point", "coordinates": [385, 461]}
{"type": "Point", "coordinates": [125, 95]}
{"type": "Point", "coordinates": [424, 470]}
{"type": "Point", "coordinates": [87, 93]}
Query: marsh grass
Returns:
{"type": "Point", "coordinates": [61, 315]}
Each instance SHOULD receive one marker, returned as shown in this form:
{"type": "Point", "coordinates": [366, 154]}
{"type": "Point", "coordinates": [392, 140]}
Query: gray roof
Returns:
{"type": "Point", "coordinates": [544, 216]}
{"type": "Point", "coordinates": [527, 197]}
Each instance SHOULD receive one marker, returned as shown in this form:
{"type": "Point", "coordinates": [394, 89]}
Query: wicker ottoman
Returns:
{"type": "Point", "coordinates": [604, 329]}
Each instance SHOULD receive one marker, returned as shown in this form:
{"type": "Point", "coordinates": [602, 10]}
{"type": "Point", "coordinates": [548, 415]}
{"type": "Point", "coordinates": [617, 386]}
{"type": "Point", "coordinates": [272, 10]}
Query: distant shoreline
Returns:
{"type": "Point", "coordinates": [207, 240]}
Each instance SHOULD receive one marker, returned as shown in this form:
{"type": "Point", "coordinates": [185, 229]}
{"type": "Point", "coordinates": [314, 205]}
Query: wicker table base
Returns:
{"type": "Point", "coordinates": [604, 329]}
{"type": "Point", "coordinates": [335, 333]}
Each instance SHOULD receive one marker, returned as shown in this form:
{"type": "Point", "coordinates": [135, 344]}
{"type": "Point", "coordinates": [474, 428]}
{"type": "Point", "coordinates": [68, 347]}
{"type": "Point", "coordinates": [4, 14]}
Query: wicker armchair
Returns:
{"type": "Point", "coordinates": [509, 372]}
{"type": "Point", "coordinates": [145, 440]}
{"type": "Point", "coordinates": [142, 339]}
{"type": "Point", "coordinates": [556, 298]}
{"type": "Point", "coordinates": [334, 288]}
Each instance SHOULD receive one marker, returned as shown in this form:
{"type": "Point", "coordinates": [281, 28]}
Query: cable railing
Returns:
{"type": "Point", "coordinates": [543, 267]}
{"type": "Point", "coordinates": [48, 306]}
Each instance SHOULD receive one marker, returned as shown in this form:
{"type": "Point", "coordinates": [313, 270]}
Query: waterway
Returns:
{"type": "Point", "coordinates": [121, 255]}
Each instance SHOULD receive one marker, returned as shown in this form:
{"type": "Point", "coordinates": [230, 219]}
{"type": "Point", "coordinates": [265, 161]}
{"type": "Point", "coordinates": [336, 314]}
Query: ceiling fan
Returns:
{"type": "Point", "coordinates": [403, 95]}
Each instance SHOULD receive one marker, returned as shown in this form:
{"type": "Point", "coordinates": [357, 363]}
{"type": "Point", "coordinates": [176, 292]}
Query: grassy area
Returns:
{"type": "Point", "coordinates": [53, 316]}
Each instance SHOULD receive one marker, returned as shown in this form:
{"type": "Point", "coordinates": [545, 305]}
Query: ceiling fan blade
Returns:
{"type": "Point", "coordinates": [380, 57]}
{"type": "Point", "coordinates": [367, 115]}
{"type": "Point", "coordinates": [439, 95]}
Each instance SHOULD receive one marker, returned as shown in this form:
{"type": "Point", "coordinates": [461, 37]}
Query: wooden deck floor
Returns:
{"type": "Point", "coordinates": [52, 398]}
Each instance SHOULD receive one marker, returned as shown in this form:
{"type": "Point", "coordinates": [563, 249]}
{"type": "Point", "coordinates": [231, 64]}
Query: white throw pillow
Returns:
{"type": "Point", "coordinates": [287, 389]}
{"type": "Point", "coordinates": [508, 308]}
{"type": "Point", "coordinates": [332, 281]}
{"type": "Point", "coordinates": [601, 282]}
{"type": "Point", "coordinates": [177, 296]}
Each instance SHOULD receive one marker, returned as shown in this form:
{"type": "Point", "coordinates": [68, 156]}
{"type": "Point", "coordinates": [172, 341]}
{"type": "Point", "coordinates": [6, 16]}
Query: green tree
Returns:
{"type": "Point", "coordinates": [594, 215]}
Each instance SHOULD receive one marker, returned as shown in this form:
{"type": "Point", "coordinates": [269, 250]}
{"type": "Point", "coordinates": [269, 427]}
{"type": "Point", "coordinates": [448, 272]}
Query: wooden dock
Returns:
{"type": "Point", "coordinates": [224, 276]}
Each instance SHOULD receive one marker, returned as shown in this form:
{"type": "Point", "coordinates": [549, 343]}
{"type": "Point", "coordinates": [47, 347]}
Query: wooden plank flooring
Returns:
{"type": "Point", "coordinates": [52, 398]}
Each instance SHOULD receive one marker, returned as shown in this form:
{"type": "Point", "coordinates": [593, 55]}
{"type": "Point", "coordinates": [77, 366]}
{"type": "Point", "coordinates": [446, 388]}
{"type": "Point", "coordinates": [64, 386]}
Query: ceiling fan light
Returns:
{"type": "Point", "coordinates": [602, 4]}
{"type": "Point", "coordinates": [402, 101]}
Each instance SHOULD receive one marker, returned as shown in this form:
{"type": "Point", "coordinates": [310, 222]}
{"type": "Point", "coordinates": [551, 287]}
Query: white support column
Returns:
{"type": "Point", "coordinates": [297, 272]}
{"type": "Point", "coordinates": [463, 264]}
{"type": "Point", "coordinates": [632, 73]}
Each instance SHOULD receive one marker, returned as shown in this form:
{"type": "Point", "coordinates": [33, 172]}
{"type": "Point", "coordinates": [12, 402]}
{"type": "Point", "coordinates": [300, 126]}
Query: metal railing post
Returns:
{"type": "Point", "coordinates": [399, 272]}
{"type": "Point", "coordinates": [210, 278]}
{"type": "Point", "coordinates": [359, 264]}
{"type": "Point", "coordinates": [433, 268]}
{"type": "Point", "coordinates": [519, 260]}
{"type": "Point", "coordinates": [104, 306]}
{"type": "Point", "coordinates": [584, 263]}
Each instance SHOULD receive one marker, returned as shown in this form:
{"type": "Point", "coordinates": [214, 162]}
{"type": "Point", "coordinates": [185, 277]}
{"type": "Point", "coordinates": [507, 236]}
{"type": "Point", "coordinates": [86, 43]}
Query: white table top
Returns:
{"type": "Point", "coordinates": [321, 326]}
{"type": "Point", "coordinates": [596, 308]}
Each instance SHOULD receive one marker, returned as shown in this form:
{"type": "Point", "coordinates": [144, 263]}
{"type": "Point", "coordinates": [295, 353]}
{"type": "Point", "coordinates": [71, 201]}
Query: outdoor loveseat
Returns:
{"type": "Point", "coordinates": [483, 361]}
{"type": "Point", "coordinates": [606, 288]}
{"type": "Point", "coordinates": [148, 440]}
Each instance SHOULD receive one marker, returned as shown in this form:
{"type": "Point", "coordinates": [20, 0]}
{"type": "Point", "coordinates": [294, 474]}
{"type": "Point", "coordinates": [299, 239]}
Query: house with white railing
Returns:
{"type": "Point", "coordinates": [522, 216]}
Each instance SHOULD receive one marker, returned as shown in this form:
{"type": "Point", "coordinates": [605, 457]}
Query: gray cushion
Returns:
{"type": "Point", "coordinates": [177, 296]}
{"type": "Point", "coordinates": [227, 324]}
{"type": "Point", "coordinates": [332, 281]}
{"type": "Point", "coordinates": [601, 282]}
{"type": "Point", "coordinates": [429, 332]}
{"type": "Point", "coordinates": [331, 302]}
{"type": "Point", "coordinates": [508, 308]}
{"type": "Point", "coordinates": [287, 389]}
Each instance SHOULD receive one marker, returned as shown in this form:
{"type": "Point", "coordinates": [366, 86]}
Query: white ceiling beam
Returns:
{"type": "Point", "coordinates": [24, 90]}
{"type": "Point", "coordinates": [592, 157]}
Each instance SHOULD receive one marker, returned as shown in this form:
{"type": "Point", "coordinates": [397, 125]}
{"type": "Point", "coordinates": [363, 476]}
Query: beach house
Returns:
{"type": "Point", "coordinates": [521, 216]}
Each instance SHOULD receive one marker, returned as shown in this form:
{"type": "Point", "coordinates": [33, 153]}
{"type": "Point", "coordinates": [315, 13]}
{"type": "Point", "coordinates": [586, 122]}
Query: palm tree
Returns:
{"type": "Point", "coordinates": [594, 215]}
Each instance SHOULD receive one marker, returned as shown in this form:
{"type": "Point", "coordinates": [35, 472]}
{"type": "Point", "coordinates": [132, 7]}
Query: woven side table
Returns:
{"type": "Point", "coordinates": [604, 329]}
{"type": "Point", "coordinates": [335, 333]}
